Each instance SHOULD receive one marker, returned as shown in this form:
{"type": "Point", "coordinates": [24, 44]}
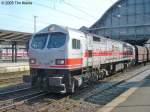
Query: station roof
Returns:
{"type": "Point", "coordinates": [9, 36]}
{"type": "Point", "coordinates": [126, 20]}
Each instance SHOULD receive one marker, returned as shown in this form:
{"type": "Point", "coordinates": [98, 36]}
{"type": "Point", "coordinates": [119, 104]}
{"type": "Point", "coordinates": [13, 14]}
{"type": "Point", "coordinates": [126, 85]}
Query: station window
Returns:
{"type": "Point", "coordinates": [76, 44]}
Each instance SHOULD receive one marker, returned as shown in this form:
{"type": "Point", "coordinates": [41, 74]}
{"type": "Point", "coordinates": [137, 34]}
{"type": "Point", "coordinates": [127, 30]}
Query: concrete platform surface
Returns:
{"type": "Point", "coordinates": [14, 67]}
{"type": "Point", "coordinates": [139, 101]}
{"type": "Point", "coordinates": [135, 99]}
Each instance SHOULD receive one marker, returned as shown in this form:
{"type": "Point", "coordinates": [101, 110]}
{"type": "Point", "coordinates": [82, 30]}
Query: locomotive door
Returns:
{"type": "Point", "coordinates": [89, 50]}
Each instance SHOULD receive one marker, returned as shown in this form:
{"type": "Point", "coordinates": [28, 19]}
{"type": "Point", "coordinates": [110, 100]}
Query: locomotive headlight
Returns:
{"type": "Point", "coordinates": [32, 61]}
{"type": "Point", "coordinates": [60, 61]}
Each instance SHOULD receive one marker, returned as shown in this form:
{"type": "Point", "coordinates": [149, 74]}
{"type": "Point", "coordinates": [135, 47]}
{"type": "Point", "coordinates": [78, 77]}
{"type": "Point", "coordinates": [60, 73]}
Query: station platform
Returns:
{"type": "Point", "coordinates": [14, 67]}
{"type": "Point", "coordinates": [135, 99]}
{"type": "Point", "coordinates": [139, 101]}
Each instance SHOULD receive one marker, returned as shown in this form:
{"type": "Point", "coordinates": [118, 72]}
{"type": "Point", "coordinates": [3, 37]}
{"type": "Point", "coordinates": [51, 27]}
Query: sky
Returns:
{"type": "Point", "coordinates": [17, 16]}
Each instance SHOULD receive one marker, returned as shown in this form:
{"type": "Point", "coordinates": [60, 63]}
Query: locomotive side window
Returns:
{"type": "Point", "coordinates": [39, 41]}
{"type": "Point", "coordinates": [97, 39]}
{"type": "Point", "coordinates": [76, 44]}
{"type": "Point", "coordinates": [56, 40]}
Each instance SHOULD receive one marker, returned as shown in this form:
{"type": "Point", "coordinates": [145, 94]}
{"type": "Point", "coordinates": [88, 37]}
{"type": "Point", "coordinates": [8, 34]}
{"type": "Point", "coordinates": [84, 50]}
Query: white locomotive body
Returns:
{"type": "Point", "coordinates": [61, 58]}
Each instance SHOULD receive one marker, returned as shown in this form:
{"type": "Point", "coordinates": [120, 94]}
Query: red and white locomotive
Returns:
{"type": "Point", "coordinates": [61, 58]}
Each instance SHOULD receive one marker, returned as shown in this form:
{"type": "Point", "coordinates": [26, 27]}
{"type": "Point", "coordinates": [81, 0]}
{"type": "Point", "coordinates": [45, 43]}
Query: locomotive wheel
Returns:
{"type": "Point", "coordinates": [102, 75]}
{"type": "Point", "coordinates": [33, 80]}
{"type": "Point", "coordinates": [39, 81]}
{"type": "Point", "coordinates": [74, 87]}
{"type": "Point", "coordinates": [36, 81]}
{"type": "Point", "coordinates": [95, 78]}
{"type": "Point", "coordinates": [99, 74]}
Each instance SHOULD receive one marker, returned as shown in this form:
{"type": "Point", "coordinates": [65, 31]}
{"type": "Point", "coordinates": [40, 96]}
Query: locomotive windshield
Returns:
{"type": "Point", "coordinates": [39, 41]}
{"type": "Point", "coordinates": [56, 40]}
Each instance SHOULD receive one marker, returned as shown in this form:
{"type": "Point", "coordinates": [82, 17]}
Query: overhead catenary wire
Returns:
{"type": "Point", "coordinates": [21, 18]}
{"type": "Point", "coordinates": [15, 18]}
{"type": "Point", "coordinates": [76, 8]}
{"type": "Point", "coordinates": [79, 9]}
{"type": "Point", "coordinates": [27, 23]}
{"type": "Point", "coordinates": [20, 26]}
{"type": "Point", "coordinates": [60, 11]}
{"type": "Point", "coordinates": [46, 6]}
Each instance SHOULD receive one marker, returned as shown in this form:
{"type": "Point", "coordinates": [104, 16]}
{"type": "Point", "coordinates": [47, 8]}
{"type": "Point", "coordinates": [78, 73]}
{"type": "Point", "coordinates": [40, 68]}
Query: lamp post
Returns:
{"type": "Point", "coordinates": [35, 24]}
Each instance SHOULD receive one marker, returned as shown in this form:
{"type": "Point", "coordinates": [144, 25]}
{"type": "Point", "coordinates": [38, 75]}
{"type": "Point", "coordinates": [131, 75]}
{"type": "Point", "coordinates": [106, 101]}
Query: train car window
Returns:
{"type": "Point", "coordinates": [39, 41]}
{"type": "Point", "coordinates": [56, 40]}
{"type": "Point", "coordinates": [97, 39]}
{"type": "Point", "coordinates": [76, 44]}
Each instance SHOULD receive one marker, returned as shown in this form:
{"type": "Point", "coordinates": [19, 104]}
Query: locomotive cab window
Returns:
{"type": "Point", "coordinates": [39, 41]}
{"type": "Point", "coordinates": [56, 40]}
{"type": "Point", "coordinates": [76, 44]}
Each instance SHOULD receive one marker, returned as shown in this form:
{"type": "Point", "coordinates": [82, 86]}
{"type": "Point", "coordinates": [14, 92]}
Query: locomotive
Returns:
{"type": "Point", "coordinates": [62, 58]}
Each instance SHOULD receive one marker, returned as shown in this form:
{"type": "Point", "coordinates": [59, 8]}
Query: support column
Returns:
{"type": "Point", "coordinates": [15, 48]}
{"type": "Point", "coordinates": [14, 51]}
{"type": "Point", "coordinates": [12, 56]}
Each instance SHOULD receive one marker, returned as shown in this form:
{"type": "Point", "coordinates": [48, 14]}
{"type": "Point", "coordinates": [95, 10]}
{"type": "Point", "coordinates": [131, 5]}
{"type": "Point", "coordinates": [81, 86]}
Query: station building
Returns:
{"type": "Point", "coordinates": [126, 20]}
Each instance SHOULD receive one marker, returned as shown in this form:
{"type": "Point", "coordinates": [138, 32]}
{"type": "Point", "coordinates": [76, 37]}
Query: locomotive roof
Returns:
{"type": "Point", "coordinates": [58, 28]}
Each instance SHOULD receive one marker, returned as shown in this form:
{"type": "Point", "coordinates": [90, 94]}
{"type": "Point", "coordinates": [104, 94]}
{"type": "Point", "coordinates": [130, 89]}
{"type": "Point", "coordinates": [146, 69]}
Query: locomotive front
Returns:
{"type": "Point", "coordinates": [47, 52]}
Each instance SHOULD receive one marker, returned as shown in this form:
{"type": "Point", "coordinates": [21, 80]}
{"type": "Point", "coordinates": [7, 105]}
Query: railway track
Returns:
{"type": "Point", "coordinates": [67, 104]}
{"type": "Point", "coordinates": [12, 77]}
{"type": "Point", "coordinates": [14, 91]}
{"type": "Point", "coordinates": [80, 101]}
{"type": "Point", "coordinates": [17, 93]}
{"type": "Point", "coordinates": [11, 80]}
{"type": "Point", "coordinates": [12, 103]}
{"type": "Point", "coordinates": [83, 104]}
